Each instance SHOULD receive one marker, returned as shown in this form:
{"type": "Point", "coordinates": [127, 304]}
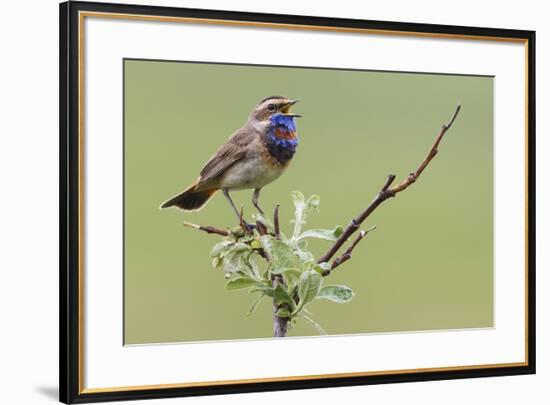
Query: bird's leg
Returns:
{"type": "Point", "coordinates": [255, 197]}
{"type": "Point", "coordinates": [237, 212]}
{"type": "Point", "coordinates": [226, 194]}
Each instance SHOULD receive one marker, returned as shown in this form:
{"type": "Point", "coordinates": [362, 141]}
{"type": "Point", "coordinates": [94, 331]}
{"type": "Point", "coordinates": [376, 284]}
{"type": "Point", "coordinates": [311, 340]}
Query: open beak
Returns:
{"type": "Point", "coordinates": [286, 109]}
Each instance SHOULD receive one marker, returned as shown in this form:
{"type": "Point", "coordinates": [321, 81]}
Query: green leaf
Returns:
{"type": "Point", "coordinates": [313, 202]}
{"type": "Point", "coordinates": [305, 257]}
{"type": "Point", "coordinates": [217, 262]}
{"type": "Point", "coordinates": [315, 325]}
{"type": "Point", "coordinates": [326, 234]}
{"type": "Point", "coordinates": [282, 270]}
{"type": "Point", "coordinates": [282, 255]}
{"type": "Point", "coordinates": [336, 293]}
{"type": "Point", "coordinates": [239, 283]}
{"type": "Point", "coordinates": [302, 208]}
{"type": "Point", "coordinates": [281, 296]}
{"type": "Point", "coordinates": [298, 199]}
{"type": "Point", "coordinates": [237, 232]}
{"type": "Point", "coordinates": [239, 247]}
{"type": "Point", "coordinates": [255, 305]}
{"type": "Point", "coordinates": [247, 266]}
{"type": "Point", "coordinates": [299, 212]}
{"type": "Point", "coordinates": [255, 244]}
{"type": "Point", "coordinates": [233, 263]}
{"type": "Point", "coordinates": [263, 289]}
{"type": "Point", "coordinates": [221, 247]}
{"type": "Point", "coordinates": [291, 277]}
{"type": "Point", "coordinates": [234, 257]}
{"type": "Point", "coordinates": [251, 261]}
{"type": "Point", "coordinates": [283, 313]}
{"type": "Point", "coordinates": [322, 267]}
{"type": "Point", "coordinates": [308, 287]}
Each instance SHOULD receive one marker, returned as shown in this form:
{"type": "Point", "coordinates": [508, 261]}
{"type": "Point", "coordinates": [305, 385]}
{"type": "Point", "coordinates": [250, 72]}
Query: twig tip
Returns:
{"type": "Point", "coordinates": [191, 225]}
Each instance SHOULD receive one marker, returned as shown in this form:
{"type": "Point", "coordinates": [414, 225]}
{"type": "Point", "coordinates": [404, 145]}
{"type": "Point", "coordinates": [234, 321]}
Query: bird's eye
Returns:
{"type": "Point", "coordinates": [271, 107]}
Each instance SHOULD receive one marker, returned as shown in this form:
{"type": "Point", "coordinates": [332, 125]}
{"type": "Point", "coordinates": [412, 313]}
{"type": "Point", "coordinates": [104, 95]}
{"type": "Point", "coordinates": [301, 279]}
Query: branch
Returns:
{"type": "Point", "coordinates": [433, 152]}
{"type": "Point", "coordinates": [208, 229]}
{"type": "Point", "coordinates": [280, 325]}
{"type": "Point", "coordinates": [261, 228]}
{"type": "Point", "coordinates": [276, 222]}
{"type": "Point", "coordinates": [387, 192]}
{"type": "Point", "coordinates": [347, 254]}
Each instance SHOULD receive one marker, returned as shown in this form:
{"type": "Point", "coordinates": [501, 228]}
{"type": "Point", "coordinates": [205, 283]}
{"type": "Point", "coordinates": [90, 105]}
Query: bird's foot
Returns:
{"type": "Point", "coordinates": [247, 228]}
{"type": "Point", "coordinates": [255, 198]}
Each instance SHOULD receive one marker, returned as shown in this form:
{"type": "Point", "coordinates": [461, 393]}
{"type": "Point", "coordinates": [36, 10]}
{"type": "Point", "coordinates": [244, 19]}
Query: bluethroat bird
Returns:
{"type": "Point", "coordinates": [255, 155]}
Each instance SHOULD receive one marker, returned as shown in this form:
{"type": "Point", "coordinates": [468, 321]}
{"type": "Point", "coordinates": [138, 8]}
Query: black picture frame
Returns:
{"type": "Point", "coordinates": [70, 313]}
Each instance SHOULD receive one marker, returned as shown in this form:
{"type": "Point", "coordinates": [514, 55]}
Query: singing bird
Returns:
{"type": "Point", "coordinates": [255, 155]}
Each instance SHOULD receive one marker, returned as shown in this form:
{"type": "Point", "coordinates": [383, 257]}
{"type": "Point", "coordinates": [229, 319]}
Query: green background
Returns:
{"type": "Point", "coordinates": [428, 265]}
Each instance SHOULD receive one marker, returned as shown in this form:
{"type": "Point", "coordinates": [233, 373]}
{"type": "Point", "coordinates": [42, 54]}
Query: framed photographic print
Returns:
{"type": "Point", "coordinates": [316, 202]}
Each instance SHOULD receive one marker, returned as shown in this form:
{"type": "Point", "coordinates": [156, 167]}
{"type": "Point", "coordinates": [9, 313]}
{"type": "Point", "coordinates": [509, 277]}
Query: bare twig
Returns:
{"type": "Point", "coordinates": [389, 181]}
{"type": "Point", "coordinates": [356, 222]}
{"type": "Point", "coordinates": [411, 178]}
{"type": "Point", "coordinates": [276, 222]}
{"type": "Point", "coordinates": [208, 229]}
{"type": "Point", "coordinates": [387, 192]}
{"type": "Point", "coordinates": [280, 325]}
{"type": "Point", "coordinates": [262, 230]}
{"type": "Point", "coordinates": [347, 254]}
{"type": "Point", "coordinates": [241, 221]}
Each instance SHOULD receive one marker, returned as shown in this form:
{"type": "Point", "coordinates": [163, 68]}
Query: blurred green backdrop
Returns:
{"type": "Point", "coordinates": [429, 265]}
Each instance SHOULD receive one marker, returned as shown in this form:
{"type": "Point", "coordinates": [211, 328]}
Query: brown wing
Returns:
{"type": "Point", "coordinates": [229, 153]}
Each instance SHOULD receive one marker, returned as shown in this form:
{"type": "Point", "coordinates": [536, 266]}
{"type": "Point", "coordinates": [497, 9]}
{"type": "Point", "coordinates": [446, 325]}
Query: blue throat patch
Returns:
{"type": "Point", "coordinates": [285, 121]}
{"type": "Point", "coordinates": [281, 148]}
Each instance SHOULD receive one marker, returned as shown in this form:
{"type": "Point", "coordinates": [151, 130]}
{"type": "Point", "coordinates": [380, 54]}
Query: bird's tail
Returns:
{"type": "Point", "coordinates": [190, 199]}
